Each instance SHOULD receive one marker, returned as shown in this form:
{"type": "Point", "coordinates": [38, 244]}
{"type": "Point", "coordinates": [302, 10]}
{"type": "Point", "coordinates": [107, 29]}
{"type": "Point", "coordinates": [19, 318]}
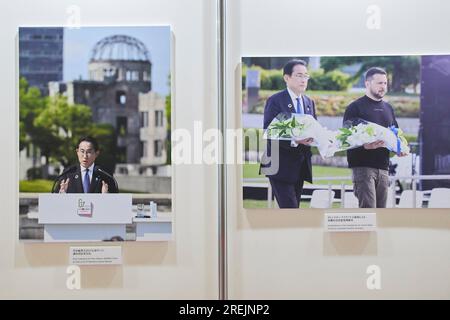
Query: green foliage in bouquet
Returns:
{"type": "Point", "coordinates": [344, 133]}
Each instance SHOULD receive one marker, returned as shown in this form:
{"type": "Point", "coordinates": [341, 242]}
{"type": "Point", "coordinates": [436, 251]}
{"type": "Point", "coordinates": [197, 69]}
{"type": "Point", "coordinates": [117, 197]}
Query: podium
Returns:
{"type": "Point", "coordinates": [82, 217]}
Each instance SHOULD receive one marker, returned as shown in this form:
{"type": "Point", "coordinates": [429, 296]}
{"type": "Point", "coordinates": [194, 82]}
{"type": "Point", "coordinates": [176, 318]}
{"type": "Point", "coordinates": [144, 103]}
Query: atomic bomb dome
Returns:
{"type": "Point", "coordinates": [120, 58]}
{"type": "Point", "coordinates": [119, 47]}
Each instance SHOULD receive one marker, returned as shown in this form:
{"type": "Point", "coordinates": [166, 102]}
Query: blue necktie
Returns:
{"type": "Point", "coordinates": [86, 182]}
{"type": "Point", "coordinates": [299, 106]}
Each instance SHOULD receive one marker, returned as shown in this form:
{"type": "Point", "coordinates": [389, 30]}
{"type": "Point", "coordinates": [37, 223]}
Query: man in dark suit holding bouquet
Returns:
{"type": "Point", "coordinates": [287, 164]}
{"type": "Point", "coordinates": [86, 177]}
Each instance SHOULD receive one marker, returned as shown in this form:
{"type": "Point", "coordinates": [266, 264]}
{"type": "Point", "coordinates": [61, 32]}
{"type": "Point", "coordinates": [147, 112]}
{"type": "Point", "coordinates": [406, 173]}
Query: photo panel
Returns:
{"type": "Point", "coordinates": [346, 131]}
{"type": "Point", "coordinates": [94, 133]}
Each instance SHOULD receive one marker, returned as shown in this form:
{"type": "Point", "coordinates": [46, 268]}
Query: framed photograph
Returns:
{"type": "Point", "coordinates": [346, 131]}
{"type": "Point", "coordinates": [94, 133]}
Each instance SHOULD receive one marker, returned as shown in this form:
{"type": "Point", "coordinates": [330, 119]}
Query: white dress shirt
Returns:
{"type": "Point", "coordinates": [294, 100]}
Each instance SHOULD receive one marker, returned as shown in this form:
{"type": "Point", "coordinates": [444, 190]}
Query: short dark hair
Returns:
{"type": "Point", "coordinates": [289, 66]}
{"type": "Point", "coordinates": [89, 139]}
{"type": "Point", "coordinates": [373, 71]}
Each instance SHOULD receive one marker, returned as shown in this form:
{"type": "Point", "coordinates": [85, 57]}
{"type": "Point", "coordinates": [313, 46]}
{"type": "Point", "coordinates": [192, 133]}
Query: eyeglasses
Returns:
{"type": "Point", "coordinates": [87, 152]}
{"type": "Point", "coordinates": [302, 76]}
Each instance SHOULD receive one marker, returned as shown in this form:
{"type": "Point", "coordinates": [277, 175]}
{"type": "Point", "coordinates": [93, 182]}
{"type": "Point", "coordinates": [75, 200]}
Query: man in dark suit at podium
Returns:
{"type": "Point", "coordinates": [86, 177]}
{"type": "Point", "coordinates": [287, 164]}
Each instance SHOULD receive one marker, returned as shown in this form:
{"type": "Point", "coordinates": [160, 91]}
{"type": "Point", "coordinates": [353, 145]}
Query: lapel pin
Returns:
{"type": "Point", "coordinates": [76, 176]}
{"type": "Point", "coordinates": [290, 105]}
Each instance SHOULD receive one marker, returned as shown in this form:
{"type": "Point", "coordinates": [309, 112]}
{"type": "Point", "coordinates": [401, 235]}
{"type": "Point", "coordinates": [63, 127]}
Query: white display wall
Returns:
{"type": "Point", "coordinates": [184, 268]}
{"type": "Point", "coordinates": [272, 254]}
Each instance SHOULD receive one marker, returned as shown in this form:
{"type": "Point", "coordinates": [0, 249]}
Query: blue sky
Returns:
{"type": "Point", "coordinates": [78, 44]}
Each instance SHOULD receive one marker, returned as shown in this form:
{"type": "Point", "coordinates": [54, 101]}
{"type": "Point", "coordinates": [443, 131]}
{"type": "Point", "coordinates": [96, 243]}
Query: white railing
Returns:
{"type": "Point", "coordinates": [413, 179]}
{"type": "Point", "coordinates": [264, 183]}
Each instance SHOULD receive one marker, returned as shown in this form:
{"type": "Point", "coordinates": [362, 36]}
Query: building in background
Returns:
{"type": "Point", "coordinates": [153, 129]}
{"type": "Point", "coordinates": [119, 93]}
{"type": "Point", "coordinates": [41, 56]}
{"type": "Point", "coordinates": [40, 61]}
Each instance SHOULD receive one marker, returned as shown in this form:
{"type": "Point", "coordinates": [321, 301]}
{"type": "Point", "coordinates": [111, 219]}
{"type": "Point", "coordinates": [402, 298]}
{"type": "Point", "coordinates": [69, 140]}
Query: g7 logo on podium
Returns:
{"type": "Point", "coordinates": [81, 203]}
{"type": "Point", "coordinates": [84, 209]}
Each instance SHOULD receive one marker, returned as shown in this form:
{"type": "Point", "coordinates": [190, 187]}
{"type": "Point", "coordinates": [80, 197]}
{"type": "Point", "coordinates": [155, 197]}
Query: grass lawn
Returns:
{"type": "Point", "coordinates": [255, 204]}
{"type": "Point", "coordinates": [251, 171]}
{"type": "Point", "coordinates": [39, 185]}
{"type": "Point", "coordinates": [322, 171]}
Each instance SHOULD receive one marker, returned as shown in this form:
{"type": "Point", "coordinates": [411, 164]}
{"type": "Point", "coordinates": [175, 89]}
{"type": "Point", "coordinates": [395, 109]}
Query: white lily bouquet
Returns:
{"type": "Point", "coordinates": [286, 126]}
{"type": "Point", "coordinates": [358, 132]}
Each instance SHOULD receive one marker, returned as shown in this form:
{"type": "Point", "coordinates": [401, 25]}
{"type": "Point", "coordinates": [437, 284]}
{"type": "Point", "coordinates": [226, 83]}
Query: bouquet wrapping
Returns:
{"type": "Point", "coordinates": [357, 132]}
{"type": "Point", "coordinates": [294, 127]}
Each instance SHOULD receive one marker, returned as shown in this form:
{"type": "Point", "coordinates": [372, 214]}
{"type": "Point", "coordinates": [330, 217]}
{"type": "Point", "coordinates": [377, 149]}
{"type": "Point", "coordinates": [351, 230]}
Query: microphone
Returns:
{"type": "Point", "coordinates": [101, 171]}
{"type": "Point", "coordinates": [68, 170]}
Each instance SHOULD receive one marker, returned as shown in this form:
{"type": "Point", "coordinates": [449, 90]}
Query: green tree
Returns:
{"type": "Point", "coordinates": [107, 140]}
{"type": "Point", "coordinates": [333, 80]}
{"type": "Point", "coordinates": [61, 124]}
{"type": "Point", "coordinates": [403, 70]}
{"type": "Point", "coordinates": [31, 104]}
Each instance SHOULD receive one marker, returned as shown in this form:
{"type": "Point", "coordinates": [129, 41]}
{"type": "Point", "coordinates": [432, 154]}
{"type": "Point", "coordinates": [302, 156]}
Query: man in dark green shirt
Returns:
{"type": "Point", "coordinates": [370, 162]}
